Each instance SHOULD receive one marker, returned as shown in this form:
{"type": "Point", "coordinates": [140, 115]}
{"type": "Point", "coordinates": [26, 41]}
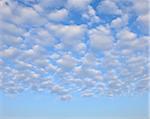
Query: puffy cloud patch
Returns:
{"type": "Point", "coordinates": [67, 61]}
{"type": "Point", "coordinates": [71, 36]}
{"type": "Point", "coordinates": [141, 7]}
{"type": "Point", "coordinates": [143, 23]}
{"type": "Point", "coordinates": [91, 16]}
{"type": "Point", "coordinates": [109, 7]}
{"type": "Point", "coordinates": [58, 15]}
{"type": "Point", "coordinates": [119, 22]}
{"type": "Point", "coordinates": [78, 4]}
{"type": "Point", "coordinates": [101, 38]}
{"type": "Point", "coordinates": [42, 50]}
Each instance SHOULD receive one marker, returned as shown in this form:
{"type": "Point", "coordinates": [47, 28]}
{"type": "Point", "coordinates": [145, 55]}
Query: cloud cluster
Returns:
{"type": "Point", "coordinates": [45, 49]}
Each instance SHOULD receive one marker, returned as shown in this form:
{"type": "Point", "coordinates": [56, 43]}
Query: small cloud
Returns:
{"type": "Point", "coordinates": [109, 8]}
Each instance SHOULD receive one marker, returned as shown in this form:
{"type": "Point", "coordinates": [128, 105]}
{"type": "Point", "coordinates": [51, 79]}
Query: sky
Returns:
{"type": "Point", "coordinates": [74, 59]}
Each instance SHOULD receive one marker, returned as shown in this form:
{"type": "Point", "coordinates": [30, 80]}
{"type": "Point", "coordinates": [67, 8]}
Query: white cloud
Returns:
{"type": "Point", "coordinates": [87, 94]}
{"type": "Point", "coordinates": [9, 52]}
{"type": "Point", "coordinates": [58, 15]}
{"type": "Point", "coordinates": [109, 7]}
{"type": "Point", "coordinates": [126, 35]}
{"type": "Point", "coordinates": [7, 27]}
{"type": "Point", "coordinates": [10, 40]}
{"type": "Point", "coordinates": [67, 61]}
{"type": "Point", "coordinates": [78, 4]}
{"type": "Point", "coordinates": [70, 39]}
{"type": "Point", "coordinates": [75, 31]}
{"type": "Point", "coordinates": [24, 17]}
{"type": "Point", "coordinates": [20, 15]}
{"type": "Point", "coordinates": [119, 22]}
{"type": "Point", "coordinates": [41, 36]}
{"type": "Point", "coordinates": [33, 53]}
{"type": "Point", "coordinates": [101, 38]}
{"type": "Point", "coordinates": [141, 7]}
{"type": "Point", "coordinates": [143, 23]}
{"type": "Point", "coordinates": [65, 97]}
{"type": "Point", "coordinates": [91, 58]}
{"type": "Point", "coordinates": [144, 19]}
{"type": "Point", "coordinates": [81, 48]}
{"type": "Point", "coordinates": [90, 15]}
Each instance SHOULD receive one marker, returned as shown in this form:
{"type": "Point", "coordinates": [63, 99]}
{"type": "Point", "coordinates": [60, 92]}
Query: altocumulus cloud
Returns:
{"type": "Point", "coordinates": [69, 47]}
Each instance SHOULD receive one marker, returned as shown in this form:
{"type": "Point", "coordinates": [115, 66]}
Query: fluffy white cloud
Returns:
{"type": "Point", "coordinates": [9, 52]}
{"type": "Point", "coordinates": [141, 7]}
{"type": "Point", "coordinates": [70, 39]}
{"type": "Point", "coordinates": [144, 19]}
{"type": "Point", "coordinates": [58, 15]}
{"type": "Point", "coordinates": [119, 22]}
{"type": "Point", "coordinates": [42, 50]}
{"type": "Point", "coordinates": [75, 31]}
{"type": "Point", "coordinates": [65, 97]}
{"type": "Point", "coordinates": [7, 27]}
{"type": "Point", "coordinates": [21, 15]}
{"type": "Point", "coordinates": [109, 7]}
{"type": "Point", "coordinates": [101, 38]}
{"type": "Point", "coordinates": [143, 23]}
{"type": "Point", "coordinates": [24, 17]}
{"type": "Point", "coordinates": [126, 35]}
{"type": "Point", "coordinates": [67, 61]}
{"type": "Point", "coordinates": [78, 4]}
{"type": "Point", "coordinates": [91, 16]}
{"type": "Point", "coordinates": [40, 36]}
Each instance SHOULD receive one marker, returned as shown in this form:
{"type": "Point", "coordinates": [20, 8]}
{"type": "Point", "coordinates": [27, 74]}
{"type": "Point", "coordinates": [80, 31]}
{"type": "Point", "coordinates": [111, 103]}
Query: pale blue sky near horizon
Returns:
{"type": "Point", "coordinates": [44, 106]}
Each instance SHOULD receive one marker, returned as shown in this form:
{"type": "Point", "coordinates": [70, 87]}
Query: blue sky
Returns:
{"type": "Point", "coordinates": [74, 59]}
{"type": "Point", "coordinates": [35, 106]}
